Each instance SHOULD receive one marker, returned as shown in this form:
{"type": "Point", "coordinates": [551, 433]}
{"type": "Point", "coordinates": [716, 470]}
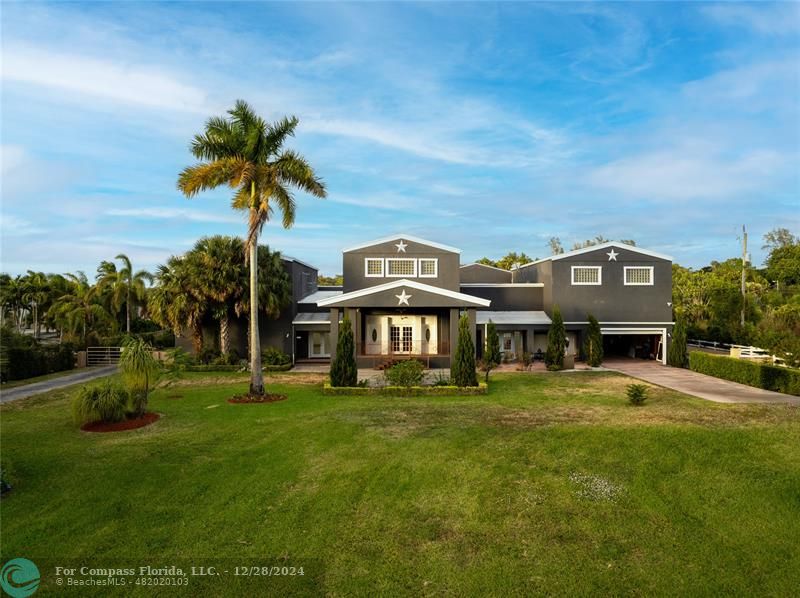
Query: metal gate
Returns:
{"type": "Point", "coordinates": [102, 355]}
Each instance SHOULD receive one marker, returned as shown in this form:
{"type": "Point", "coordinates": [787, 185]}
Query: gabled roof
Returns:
{"type": "Point", "coordinates": [616, 244]}
{"type": "Point", "coordinates": [289, 258]}
{"type": "Point", "coordinates": [404, 282]}
{"type": "Point", "coordinates": [403, 237]}
{"type": "Point", "coordinates": [484, 266]}
{"type": "Point", "coordinates": [318, 296]}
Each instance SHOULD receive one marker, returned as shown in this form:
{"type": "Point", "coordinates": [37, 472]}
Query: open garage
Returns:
{"type": "Point", "coordinates": [637, 343]}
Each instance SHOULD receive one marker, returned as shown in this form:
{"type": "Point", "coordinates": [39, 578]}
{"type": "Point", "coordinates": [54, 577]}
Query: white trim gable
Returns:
{"type": "Point", "coordinates": [615, 244]}
{"type": "Point", "coordinates": [411, 238]}
{"type": "Point", "coordinates": [404, 282]}
{"type": "Point", "coordinates": [484, 266]}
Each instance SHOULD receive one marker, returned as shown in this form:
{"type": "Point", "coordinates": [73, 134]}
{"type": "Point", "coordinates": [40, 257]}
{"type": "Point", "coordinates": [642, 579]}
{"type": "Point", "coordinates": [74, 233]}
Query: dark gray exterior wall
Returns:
{"type": "Point", "coordinates": [484, 273]}
{"type": "Point", "coordinates": [613, 301]}
{"type": "Point", "coordinates": [353, 265]}
{"type": "Point", "coordinates": [509, 298]}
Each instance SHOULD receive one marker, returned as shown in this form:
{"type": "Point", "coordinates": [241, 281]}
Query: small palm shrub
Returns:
{"type": "Point", "coordinates": [274, 356]}
{"type": "Point", "coordinates": [637, 393]}
{"type": "Point", "coordinates": [140, 371]}
{"type": "Point", "coordinates": [406, 373]}
{"type": "Point", "coordinates": [107, 402]}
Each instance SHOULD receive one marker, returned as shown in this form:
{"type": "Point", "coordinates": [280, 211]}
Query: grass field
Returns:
{"type": "Point", "coordinates": [551, 484]}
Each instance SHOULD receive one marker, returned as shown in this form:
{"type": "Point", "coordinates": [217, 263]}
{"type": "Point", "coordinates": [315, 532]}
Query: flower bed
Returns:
{"type": "Point", "coordinates": [405, 391]}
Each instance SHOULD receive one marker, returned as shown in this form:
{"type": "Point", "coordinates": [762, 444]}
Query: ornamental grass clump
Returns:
{"type": "Point", "coordinates": [637, 393]}
{"type": "Point", "coordinates": [107, 402]}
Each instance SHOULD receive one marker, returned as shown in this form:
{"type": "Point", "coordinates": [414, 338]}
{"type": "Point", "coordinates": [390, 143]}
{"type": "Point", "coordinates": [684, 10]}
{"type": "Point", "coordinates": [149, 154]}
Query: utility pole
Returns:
{"type": "Point", "coordinates": [744, 273]}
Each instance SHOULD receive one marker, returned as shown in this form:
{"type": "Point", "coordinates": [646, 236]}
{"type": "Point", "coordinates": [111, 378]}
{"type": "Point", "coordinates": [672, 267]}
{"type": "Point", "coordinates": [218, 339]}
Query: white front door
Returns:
{"type": "Point", "coordinates": [318, 344]}
{"type": "Point", "coordinates": [403, 334]}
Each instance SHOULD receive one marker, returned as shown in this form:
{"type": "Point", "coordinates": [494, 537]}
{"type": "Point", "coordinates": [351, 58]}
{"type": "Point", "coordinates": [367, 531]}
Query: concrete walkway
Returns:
{"type": "Point", "coordinates": [29, 390]}
{"type": "Point", "coordinates": [695, 384]}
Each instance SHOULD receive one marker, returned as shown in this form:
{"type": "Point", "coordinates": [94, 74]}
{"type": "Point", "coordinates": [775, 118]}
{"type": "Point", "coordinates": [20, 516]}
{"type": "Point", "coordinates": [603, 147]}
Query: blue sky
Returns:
{"type": "Point", "coordinates": [491, 127]}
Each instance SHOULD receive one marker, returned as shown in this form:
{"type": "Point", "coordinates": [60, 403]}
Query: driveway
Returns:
{"type": "Point", "coordinates": [22, 392]}
{"type": "Point", "coordinates": [695, 384]}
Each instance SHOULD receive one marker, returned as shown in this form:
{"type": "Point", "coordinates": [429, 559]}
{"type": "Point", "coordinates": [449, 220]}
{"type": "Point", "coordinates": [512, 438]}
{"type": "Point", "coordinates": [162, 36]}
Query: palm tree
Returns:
{"type": "Point", "coordinates": [173, 302]}
{"type": "Point", "coordinates": [123, 285]}
{"type": "Point", "coordinates": [246, 153]}
{"type": "Point", "coordinates": [79, 310]}
{"type": "Point", "coordinates": [35, 295]}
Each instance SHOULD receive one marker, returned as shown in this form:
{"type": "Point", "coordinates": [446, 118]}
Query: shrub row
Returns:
{"type": "Point", "coordinates": [768, 377]}
{"type": "Point", "coordinates": [26, 362]}
{"type": "Point", "coordinates": [234, 368]}
{"type": "Point", "coordinates": [405, 391]}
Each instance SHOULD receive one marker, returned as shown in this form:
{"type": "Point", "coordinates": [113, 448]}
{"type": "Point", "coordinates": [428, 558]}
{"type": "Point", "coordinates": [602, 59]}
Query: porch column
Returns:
{"type": "Point", "coordinates": [334, 340]}
{"type": "Point", "coordinates": [471, 315]}
{"type": "Point", "coordinates": [453, 331]}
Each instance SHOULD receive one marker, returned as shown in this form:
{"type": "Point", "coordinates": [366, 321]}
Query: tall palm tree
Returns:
{"type": "Point", "coordinates": [246, 153]}
{"type": "Point", "coordinates": [79, 311]}
{"type": "Point", "coordinates": [123, 285]}
{"type": "Point", "coordinates": [35, 295]}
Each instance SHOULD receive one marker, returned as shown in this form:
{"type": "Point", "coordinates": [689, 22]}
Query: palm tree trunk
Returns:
{"type": "Point", "coordinates": [128, 311]}
{"type": "Point", "coordinates": [197, 338]}
{"type": "Point", "coordinates": [256, 377]}
{"type": "Point", "coordinates": [223, 333]}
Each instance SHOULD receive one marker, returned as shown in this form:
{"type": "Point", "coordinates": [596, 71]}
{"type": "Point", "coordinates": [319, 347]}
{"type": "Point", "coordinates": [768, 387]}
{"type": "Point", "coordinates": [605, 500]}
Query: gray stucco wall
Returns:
{"type": "Point", "coordinates": [509, 298]}
{"type": "Point", "coordinates": [483, 273]}
{"type": "Point", "coordinates": [353, 265]}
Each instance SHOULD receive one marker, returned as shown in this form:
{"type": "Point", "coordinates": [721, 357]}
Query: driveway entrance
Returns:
{"type": "Point", "coordinates": [695, 384]}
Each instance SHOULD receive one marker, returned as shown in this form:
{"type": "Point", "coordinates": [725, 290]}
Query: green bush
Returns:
{"type": "Point", "coordinates": [492, 356]}
{"type": "Point", "coordinates": [207, 355]}
{"type": "Point", "coordinates": [106, 402]}
{"type": "Point", "coordinates": [677, 355]}
{"type": "Point", "coordinates": [593, 345]}
{"type": "Point", "coordinates": [19, 363]}
{"type": "Point", "coordinates": [760, 375]}
{"type": "Point", "coordinates": [403, 391]}
{"type": "Point", "coordinates": [462, 370]}
{"type": "Point", "coordinates": [406, 373]}
{"type": "Point", "coordinates": [556, 342]}
{"type": "Point", "coordinates": [140, 371]}
{"type": "Point", "coordinates": [215, 368]}
{"type": "Point", "coordinates": [344, 370]}
{"type": "Point", "coordinates": [274, 356]}
{"type": "Point", "coordinates": [229, 358]}
{"type": "Point", "coordinates": [178, 359]}
{"type": "Point", "coordinates": [637, 393]}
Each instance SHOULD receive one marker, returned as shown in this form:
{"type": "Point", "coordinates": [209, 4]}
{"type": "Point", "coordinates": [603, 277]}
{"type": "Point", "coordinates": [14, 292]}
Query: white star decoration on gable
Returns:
{"type": "Point", "coordinates": [403, 298]}
{"type": "Point", "coordinates": [612, 255]}
{"type": "Point", "coordinates": [401, 246]}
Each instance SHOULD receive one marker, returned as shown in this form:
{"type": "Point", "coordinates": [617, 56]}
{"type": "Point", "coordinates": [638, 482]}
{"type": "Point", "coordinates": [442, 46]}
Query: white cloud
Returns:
{"type": "Point", "coordinates": [119, 81]}
{"type": "Point", "coordinates": [13, 226]}
{"type": "Point", "coordinates": [157, 213]}
{"type": "Point", "coordinates": [767, 19]}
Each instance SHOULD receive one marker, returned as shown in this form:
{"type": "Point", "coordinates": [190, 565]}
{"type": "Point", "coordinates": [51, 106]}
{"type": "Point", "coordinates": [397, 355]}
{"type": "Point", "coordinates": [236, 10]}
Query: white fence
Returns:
{"type": "Point", "coordinates": [737, 351]}
{"type": "Point", "coordinates": [102, 355]}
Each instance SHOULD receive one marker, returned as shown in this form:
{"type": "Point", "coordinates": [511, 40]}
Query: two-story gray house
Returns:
{"type": "Point", "coordinates": [404, 296]}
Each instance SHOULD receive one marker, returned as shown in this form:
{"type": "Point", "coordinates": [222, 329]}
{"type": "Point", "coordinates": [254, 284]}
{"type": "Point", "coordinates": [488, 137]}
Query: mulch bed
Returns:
{"type": "Point", "coordinates": [257, 399]}
{"type": "Point", "coordinates": [128, 424]}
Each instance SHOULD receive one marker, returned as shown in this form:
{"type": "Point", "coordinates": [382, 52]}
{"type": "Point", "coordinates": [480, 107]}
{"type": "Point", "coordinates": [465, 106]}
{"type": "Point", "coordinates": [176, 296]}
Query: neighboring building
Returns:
{"type": "Point", "coordinates": [404, 296]}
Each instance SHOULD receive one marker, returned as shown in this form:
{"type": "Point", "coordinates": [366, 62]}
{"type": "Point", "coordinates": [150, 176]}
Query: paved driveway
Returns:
{"type": "Point", "coordinates": [21, 392]}
{"type": "Point", "coordinates": [697, 385]}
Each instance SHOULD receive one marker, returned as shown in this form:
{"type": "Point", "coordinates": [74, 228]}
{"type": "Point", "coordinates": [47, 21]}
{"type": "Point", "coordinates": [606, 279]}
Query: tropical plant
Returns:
{"type": "Point", "coordinates": [123, 286]}
{"type": "Point", "coordinates": [492, 357]}
{"type": "Point", "coordinates": [593, 345]}
{"type": "Point", "coordinates": [556, 342]}
{"type": "Point", "coordinates": [106, 402]}
{"type": "Point", "coordinates": [139, 372]}
{"type": "Point", "coordinates": [462, 369]}
{"type": "Point", "coordinates": [174, 302]}
{"type": "Point", "coordinates": [246, 153]}
{"type": "Point", "coordinates": [677, 354]}
{"type": "Point", "coordinates": [78, 311]}
{"type": "Point", "coordinates": [274, 356]}
{"type": "Point", "coordinates": [637, 393]}
{"type": "Point", "coordinates": [344, 370]}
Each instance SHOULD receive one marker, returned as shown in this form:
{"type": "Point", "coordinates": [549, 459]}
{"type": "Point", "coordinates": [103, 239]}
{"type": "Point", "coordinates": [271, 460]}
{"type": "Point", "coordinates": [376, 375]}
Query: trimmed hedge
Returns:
{"type": "Point", "coordinates": [235, 368]}
{"type": "Point", "coordinates": [26, 362]}
{"type": "Point", "coordinates": [768, 377]}
{"type": "Point", "coordinates": [405, 391]}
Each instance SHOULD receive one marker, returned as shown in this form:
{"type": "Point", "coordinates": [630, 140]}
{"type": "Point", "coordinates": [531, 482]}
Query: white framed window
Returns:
{"type": "Point", "coordinates": [638, 276]}
{"type": "Point", "coordinates": [428, 267]}
{"type": "Point", "coordinates": [587, 275]}
{"type": "Point", "coordinates": [401, 267]}
{"type": "Point", "coordinates": [373, 267]}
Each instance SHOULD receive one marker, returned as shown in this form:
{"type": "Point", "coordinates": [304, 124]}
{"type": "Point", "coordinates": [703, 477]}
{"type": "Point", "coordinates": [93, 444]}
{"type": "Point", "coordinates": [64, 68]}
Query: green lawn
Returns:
{"type": "Point", "coordinates": [549, 484]}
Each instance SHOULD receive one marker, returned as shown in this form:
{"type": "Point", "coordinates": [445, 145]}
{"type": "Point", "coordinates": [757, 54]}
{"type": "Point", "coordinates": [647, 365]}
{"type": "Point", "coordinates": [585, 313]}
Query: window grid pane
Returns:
{"type": "Point", "coordinates": [427, 267]}
{"type": "Point", "coordinates": [588, 275]}
{"type": "Point", "coordinates": [375, 266]}
{"type": "Point", "coordinates": [400, 267]}
{"type": "Point", "coordinates": [638, 276]}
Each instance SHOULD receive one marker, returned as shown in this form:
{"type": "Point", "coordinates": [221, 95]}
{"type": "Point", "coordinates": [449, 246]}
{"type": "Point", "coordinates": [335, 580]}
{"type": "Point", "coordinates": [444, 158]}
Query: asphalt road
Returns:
{"type": "Point", "coordinates": [29, 390]}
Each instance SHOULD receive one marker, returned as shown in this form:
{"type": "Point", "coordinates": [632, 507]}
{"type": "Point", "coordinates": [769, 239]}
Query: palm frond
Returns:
{"type": "Point", "coordinates": [293, 169]}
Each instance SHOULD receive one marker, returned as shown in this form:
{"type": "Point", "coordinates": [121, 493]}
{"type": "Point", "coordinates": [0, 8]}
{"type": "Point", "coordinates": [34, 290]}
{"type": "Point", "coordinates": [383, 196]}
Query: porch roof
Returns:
{"type": "Point", "coordinates": [312, 318]}
{"type": "Point", "coordinates": [384, 295]}
{"type": "Point", "coordinates": [523, 318]}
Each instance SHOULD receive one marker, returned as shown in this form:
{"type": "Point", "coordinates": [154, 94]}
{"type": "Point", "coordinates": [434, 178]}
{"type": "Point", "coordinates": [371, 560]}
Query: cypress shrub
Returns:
{"type": "Point", "coordinates": [556, 342]}
{"type": "Point", "coordinates": [492, 357]}
{"type": "Point", "coordinates": [344, 370]}
{"type": "Point", "coordinates": [677, 354]}
{"type": "Point", "coordinates": [462, 370]}
{"type": "Point", "coordinates": [760, 375]}
{"type": "Point", "coordinates": [593, 346]}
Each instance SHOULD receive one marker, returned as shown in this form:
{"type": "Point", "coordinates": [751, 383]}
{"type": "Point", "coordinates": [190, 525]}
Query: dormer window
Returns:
{"type": "Point", "coordinates": [373, 267]}
{"type": "Point", "coordinates": [587, 275]}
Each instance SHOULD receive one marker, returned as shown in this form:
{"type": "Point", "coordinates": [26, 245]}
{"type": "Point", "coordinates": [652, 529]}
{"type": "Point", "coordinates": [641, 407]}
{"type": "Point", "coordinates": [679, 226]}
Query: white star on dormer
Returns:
{"type": "Point", "coordinates": [403, 298]}
{"type": "Point", "coordinates": [612, 255]}
{"type": "Point", "coordinates": [401, 246]}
